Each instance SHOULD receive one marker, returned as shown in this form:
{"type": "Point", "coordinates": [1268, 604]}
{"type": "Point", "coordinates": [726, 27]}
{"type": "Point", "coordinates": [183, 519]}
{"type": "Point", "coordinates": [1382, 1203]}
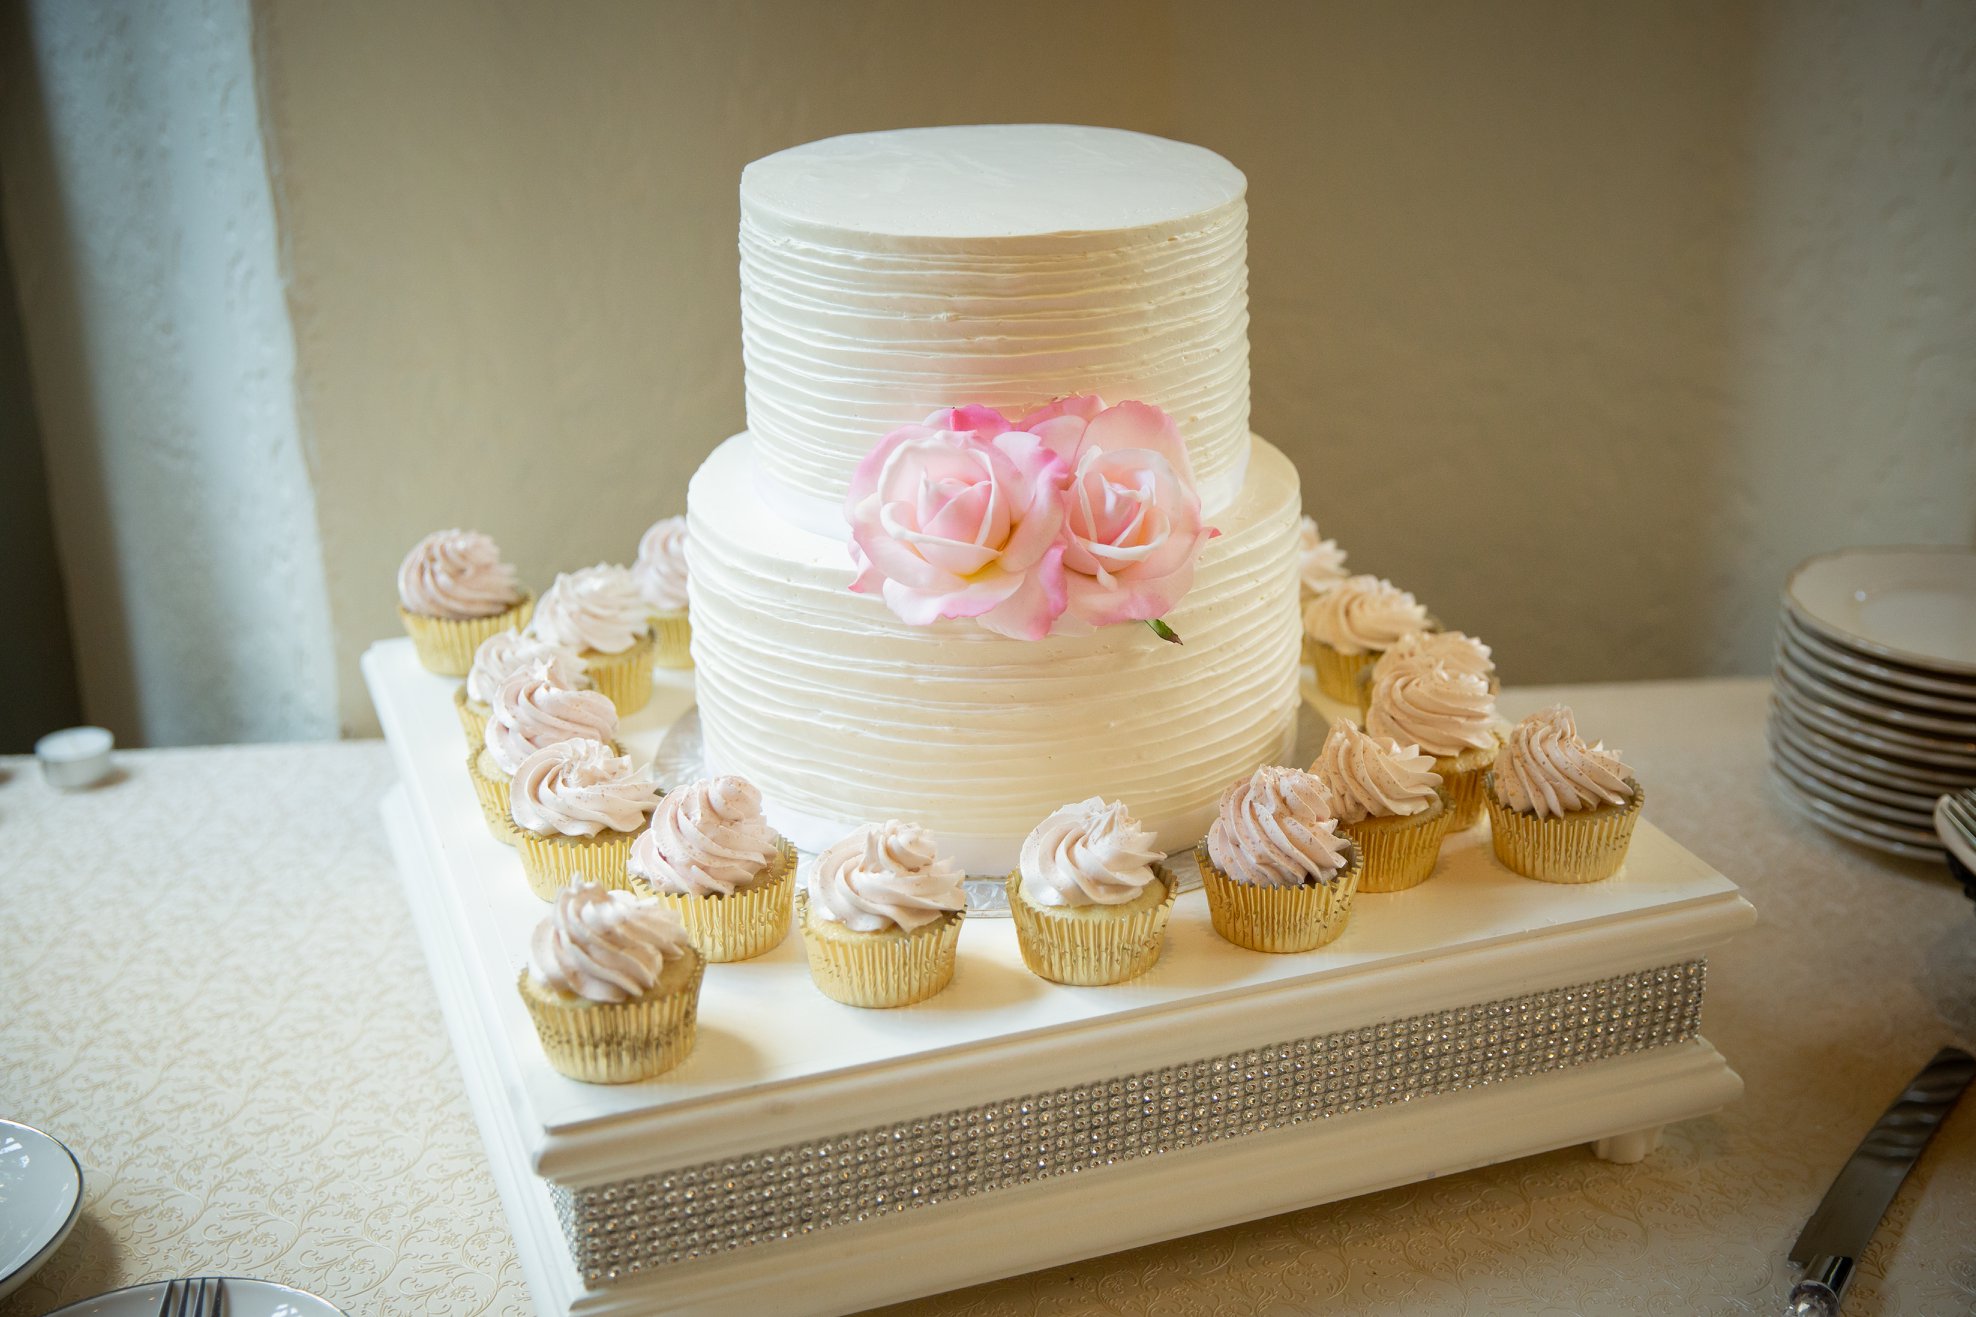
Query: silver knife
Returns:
{"type": "Point", "coordinates": [1845, 1220]}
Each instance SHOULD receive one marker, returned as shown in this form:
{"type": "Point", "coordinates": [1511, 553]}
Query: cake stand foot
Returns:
{"type": "Point", "coordinates": [1628, 1148]}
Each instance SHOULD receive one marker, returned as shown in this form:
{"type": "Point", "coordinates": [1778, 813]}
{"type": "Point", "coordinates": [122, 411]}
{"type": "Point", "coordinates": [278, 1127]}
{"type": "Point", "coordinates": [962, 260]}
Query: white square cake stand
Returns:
{"type": "Point", "coordinates": [815, 1157]}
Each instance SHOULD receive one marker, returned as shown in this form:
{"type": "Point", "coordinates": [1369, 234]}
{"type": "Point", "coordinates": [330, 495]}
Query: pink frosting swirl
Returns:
{"type": "Point", "coordinates": [505, 653]}
{"type": "Point", "coordinates": [661, 566]}
{"type": "Point", "coordinates": [604, 946]}
{"type": "Point", "coordinates": [1361, 614]}
{"type": "Point", "coordinates": [597, 609]}
{"type": "Point", "coordinates": [579, 789]}
{"type": "Point", "coordinates": [885, 875]}
{"type": "Point", "coordinates": [1275, 829]}
{"type": "Point", "coordinates": [707, 838]}
{"type": "Point", "coordinates": [1546, 768]}
{"type": "Point", "coordinates": [1455, 651]}
{"type": "Point", "coordinates": [532, 711]}
{"type": "Point", "coordinates": [456, 575]}
{"type": "Point", "coordinates": [1320, 562]}
{"type": "Point", "coordinates": [1372, 777]}
{"type": "Point", "coordinates": [1090, 853]}
{"type": "Point", "coordinates": [1420, 702]}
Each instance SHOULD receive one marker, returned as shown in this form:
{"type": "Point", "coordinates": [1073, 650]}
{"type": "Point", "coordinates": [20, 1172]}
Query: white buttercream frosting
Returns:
{"type": "Point", "coordinates": [1090, 853]}
{"type": "Point", "coordinates": [603, 945]}
{"type": "Point", "coordinates": [1320, 562]}
{"type": "Point", "coordinates": [885, 875]}
{"type": "Point", "coordinates": [884, 275]}
{"type": "Point", "coordinates": [456, 574]}
{"type": "Point", "coordinates": [534, 710]}
{"type": "Point", "coordinates": [1545, 768]}
{"type": "Point", "coordinates": [1421, 702]}
{"type": "Point", "coordinates": [1361, 614]}
{"type": "Point", "coordinates": [661, 566]}
{"type": "Point", "coordinates": [579, 789]}
{"type": "Point", "coordinates": [1455, 651]}
{"type": "Point", "coordinates": [598, 608]}
{"type": "Point", "coordinates": [505, 653]}
{"type": "Point", "coordinates": [708, 838]}
{"type": "Point", "coordinates": [1374, 777]}
{"type": "Point", "coordinates": [1276, 829]}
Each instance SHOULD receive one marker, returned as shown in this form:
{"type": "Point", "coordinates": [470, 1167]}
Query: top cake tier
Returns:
{"type": "Point", "coordinates": [887, 275]}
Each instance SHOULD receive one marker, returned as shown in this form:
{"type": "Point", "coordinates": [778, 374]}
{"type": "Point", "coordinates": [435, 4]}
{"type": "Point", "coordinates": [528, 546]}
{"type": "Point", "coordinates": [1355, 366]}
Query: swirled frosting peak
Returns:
{"type": "Point", "coordinates": [1090, 853]}
{"type": "Point", "coordinates": [579, 789]}
{"type": "Point", "coordinates": [1419, 701]}
{"type": "Point", "coordinates": [707, 838]}
{"type": "Point", "coordinates": [533, 710]}
{"type": "Point", "coordinates": [1276, 829]}
{"type": "Point", "coordinates": [1546, 769]}
{"type": "Point", "coordinates": [1320, 562]}
{"type": "Point", "coordinates": [1362, 614]}
{"type": "Point", "coordinates": [1372, 777]}
{"type": "Point", "coordinates": [598, 608]}
{"type": "Point", "coordinates": [505, 653]}
{"type": "Point", "coordinates": [456, 574]}
{"type": "Point", "coordinates": [1456, 651]}
{"type": "Point", "coordinates": [604, 946]}
{"type": "Point", "coordinates": [661, 566]}
{"type": "Point", "coordinates": [885, 875]}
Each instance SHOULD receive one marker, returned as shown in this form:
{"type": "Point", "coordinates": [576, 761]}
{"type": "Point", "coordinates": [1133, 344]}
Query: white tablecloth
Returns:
{"type": "Point", "coordinates": [209, 988]}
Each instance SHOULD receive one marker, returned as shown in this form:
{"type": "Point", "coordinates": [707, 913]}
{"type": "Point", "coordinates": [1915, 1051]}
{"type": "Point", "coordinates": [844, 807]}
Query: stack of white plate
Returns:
{"type": "Point", "coordinates": [1873, 708]}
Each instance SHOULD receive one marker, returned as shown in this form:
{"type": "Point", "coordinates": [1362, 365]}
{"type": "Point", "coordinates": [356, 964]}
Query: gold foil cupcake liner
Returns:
{"type": "Point", "coordinates": [1400, 851]}
{"type": "Point", "coordinates": [1337, 672]}
{"type": "Point", "coordinates": [744, 925]}
{"type": "Point", "coordinates": [615, 1042]}
{"type": "Point", "coordinates": [551, 861]}
{"type": "Point", "coordinates": [674, 632]}
{"type": "Point", "coordinates": [1584, 847]}
{"type": "Point", "coordinates": [879, 970]}
{"type": "Point", "coordinates": [1461, 779]}
{"type": "Point", "coordinates": [473, 720]}
{"type": "Point", "coordinates": [446, 644]}
{"type": "Point", "coordinates": [625, 677]}
{"type": "Point", "coordinates": [492, 793]}
{"type": "Point", "coordinates": [1279, 919]}
{"type": "Point", "coordinates": [1089, 952]}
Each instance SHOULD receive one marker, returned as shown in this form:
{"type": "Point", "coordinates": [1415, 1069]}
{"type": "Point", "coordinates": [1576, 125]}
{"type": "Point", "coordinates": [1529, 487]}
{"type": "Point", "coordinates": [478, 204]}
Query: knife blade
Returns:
{"type": "Point", "coordinates": [1831, 1243]}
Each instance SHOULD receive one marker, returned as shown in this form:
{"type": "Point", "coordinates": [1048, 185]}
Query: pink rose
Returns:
{"type": "Point", "coordinates": [1132, 515]}
{"type": "Point", "coordinates": [959, 518]}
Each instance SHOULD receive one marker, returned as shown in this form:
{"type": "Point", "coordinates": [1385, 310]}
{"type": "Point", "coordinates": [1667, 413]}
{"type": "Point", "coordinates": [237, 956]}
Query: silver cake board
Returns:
{"type": "Point", "coordinates": [813, 1157]}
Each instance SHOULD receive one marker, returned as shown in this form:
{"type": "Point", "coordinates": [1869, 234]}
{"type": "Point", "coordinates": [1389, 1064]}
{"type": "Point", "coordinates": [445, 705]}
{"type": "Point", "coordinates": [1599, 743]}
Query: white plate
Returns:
{"type": "Point", "coordinates": [1802, 766]}
{"type": "Point", "coordinates": [1853, 802]}
{"type": "Point", "coordinates": [1871, 665]}
{"type": "Point", "coordinates": [1906, 842]}
{"type": "Point", "coordinates": [1899, 776]}
{"type": "Point", "coordinates": [241, 1298]}
{"type": "Point", "coordinates": [1806, 655]}
{"type": "Point", "coordinates": [40, 1199]}
{"type": "Point", "coordinates": [1833, 695]}
{"type": "Point", "coordinates": [1915, 606]}
{"type": "Point", "coordinates": [1840, 725]}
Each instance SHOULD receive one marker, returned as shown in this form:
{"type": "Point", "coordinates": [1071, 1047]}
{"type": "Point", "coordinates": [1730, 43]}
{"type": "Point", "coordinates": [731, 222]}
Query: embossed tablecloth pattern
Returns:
{"type": "Point", "coordinates": [210, 989]}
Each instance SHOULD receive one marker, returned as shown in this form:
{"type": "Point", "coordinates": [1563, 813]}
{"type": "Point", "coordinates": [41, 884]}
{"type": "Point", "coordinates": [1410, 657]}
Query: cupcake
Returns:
{"type": "Point", "coordinates": [1348, 626]}
{"type": "Point", "coordinates": [454, 592]}
{"type": "Point", "coordinates": [576, 807]}
{"type": "Point", "coordinates": [714, 861]}
{"type": "Point", "coordinates": [1561, 811]}
{"type": "Point", "coordinates": [1387, 799]}
{"type": "Point", "coordinates": [1320, 562]}
{"type": "Point", "coordinates": [1090, 896]}
{"type": "Point", "coordinates": [531, 711]}
{"type": "Point", "coordinates": [661, 575]}
{"type": "Point", "coordinates": [1279, 876]}
{"type": "Point", "coordinates": [881, 916]}
{"type": "Point", "coordinates": [1450, 715]}
{"type": "Point", "coordinates": [499, 657]}
{"type": "Point", "coordinates": [612, 984]}
{"type": "Point", "coordinates": [1456, 651]}
{"type": "Point", "coordinates": [599, 613]}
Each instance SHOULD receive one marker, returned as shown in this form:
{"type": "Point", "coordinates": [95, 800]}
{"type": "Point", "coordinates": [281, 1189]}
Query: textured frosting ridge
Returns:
{"type": "Point", "coordinates": [533, 710]}
{"type": "Point", "coordinates": [604, 946]}
{"type": "Point", "coordinates": [1090, 853]}
{"type": "Point", "coordinates": [1320, 562]}
{"type": "Point", "coordinates": [1452, 649]}
{"type": "Point", "coordinates": [1276, 829]}
{"type": "Point", "coordinates": [1361, 614]}
{"type": "Point", "coordinates": [1546, 769]}
{"type": "Point", "coordinates": [1420, 702]}
{"type": "Point", "coordinates": [708, 838]}
{"type": "Point", "coordinates": [1372, 777]}
{"type": "Point", "coordinates": [885, 875]}
{"type": "Point", "coordinates": [505, 653]}
{"type": "Point", "coordinates": [660, 569]}
{"type": "Point", "coordinates": [579, 789]}
{"type": "Point", "coordinates": [597, 608]}
{"type": "Point", "coordinates": [456, 574]}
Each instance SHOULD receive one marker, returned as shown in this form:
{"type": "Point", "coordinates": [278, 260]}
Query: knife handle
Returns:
{"type": "Point", "coordinates": [1824, 1283]}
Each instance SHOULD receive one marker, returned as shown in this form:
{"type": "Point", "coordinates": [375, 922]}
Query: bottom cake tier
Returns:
{"type": "Point", "coordinates": [842, 714]}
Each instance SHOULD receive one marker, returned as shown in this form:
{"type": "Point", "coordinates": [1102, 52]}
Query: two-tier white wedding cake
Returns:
{"type": "Point", "coordinates": [885, 277]}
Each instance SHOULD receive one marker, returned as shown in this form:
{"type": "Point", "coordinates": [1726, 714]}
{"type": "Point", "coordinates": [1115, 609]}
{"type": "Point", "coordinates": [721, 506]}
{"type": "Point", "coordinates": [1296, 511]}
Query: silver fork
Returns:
{"type": "Point", "coordinates": [197, 1296]}
{"type": "Point", "coordinates": [1957, 812]}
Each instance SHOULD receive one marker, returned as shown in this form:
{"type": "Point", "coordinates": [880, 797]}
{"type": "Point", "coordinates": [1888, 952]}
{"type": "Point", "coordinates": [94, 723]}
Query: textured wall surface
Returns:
{"type": "Point", "coordinates": [141, 227]}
